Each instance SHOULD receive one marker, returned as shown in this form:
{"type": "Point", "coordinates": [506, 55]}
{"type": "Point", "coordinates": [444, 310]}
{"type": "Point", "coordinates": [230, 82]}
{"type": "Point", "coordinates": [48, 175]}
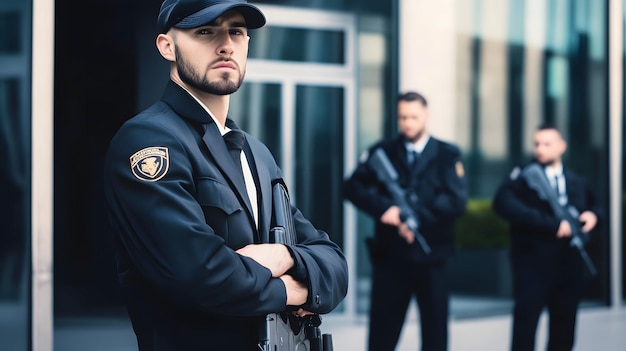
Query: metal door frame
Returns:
{"type": "Point", "coordinates": [42, 101]}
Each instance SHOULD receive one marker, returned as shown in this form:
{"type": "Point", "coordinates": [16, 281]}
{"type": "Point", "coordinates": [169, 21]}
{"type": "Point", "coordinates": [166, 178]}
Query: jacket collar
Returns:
{"type": "Point", "coordinates": [188, 108]}
{"type": "Point", "coordinates": [428, 155]}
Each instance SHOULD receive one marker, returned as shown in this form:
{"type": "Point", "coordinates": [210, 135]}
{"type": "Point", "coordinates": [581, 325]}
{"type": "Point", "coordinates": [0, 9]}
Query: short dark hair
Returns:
{"type": "Point", "coordinates": [410, 96]}
{"type": "Point", "coordinates": [548, 125]}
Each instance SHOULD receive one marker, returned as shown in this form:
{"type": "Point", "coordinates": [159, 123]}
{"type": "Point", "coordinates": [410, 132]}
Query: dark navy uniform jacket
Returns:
{"type": "Point", "coordinates": [179, 211]}
{"type": "Point", "coordinates": [439, 183]}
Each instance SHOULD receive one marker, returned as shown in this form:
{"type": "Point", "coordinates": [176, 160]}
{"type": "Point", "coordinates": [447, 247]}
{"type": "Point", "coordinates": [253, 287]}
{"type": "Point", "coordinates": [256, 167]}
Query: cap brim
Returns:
{"type": "Point", "coordinates": [253, 16]}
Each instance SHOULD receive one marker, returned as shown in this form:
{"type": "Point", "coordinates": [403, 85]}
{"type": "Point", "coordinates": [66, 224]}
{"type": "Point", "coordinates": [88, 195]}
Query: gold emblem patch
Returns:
{"type": "Point", "coordinates": [460, 171]}
{"type": "Point", "coordinates": [150, 164]}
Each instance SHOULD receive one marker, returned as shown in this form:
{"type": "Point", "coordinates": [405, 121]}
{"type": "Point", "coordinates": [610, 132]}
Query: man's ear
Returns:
{"type": "Point", "coordinates": [165, 45]}
{"type": "Point", "coordinates": [563, 146]}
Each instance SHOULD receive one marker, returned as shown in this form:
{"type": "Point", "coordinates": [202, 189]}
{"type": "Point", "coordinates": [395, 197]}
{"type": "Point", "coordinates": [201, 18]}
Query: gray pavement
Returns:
{"type": "Point", "coordinates": [599, 329]}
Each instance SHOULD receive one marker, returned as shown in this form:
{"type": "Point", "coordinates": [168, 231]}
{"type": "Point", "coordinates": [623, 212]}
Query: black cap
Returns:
{"type": "Point", "coordinates": [195, 13]}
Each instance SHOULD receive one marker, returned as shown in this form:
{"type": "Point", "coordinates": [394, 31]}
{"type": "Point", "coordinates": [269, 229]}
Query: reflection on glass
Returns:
{"type": "Point", "coordinates": [319, 157]}
{"type": "Point", "coordinates": [10, 32]}
{"type": "Point", "coordinates": [13, 220]}
{"type": "Point", "coordinates": [256, 108]}
{"type": "Point", "coordinates": [298, 45]}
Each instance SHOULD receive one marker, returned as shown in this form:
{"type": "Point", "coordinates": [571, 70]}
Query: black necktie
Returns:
{"type": "Point", "coordinates": [556, 186]}
{"type": "Point", "coordinates": [416, 158]}
{"type": "Point", "coordinates": [560, 192]}
{"type": "Point", "coordinates": [234, 140]}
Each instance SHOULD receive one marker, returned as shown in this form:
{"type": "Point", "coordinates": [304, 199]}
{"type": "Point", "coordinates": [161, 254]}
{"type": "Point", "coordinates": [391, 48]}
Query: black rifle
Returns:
{"type": "Point", "coordinates": [386, 174]}
{"type": "Point", "coordinates": [536, 179]}
{"type": "Point", "coordinates": [284, 331]}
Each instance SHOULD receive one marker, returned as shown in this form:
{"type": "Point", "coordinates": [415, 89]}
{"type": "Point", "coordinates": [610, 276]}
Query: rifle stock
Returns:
{"type": "Point", "coordinates": [536, 179]}
{"type": "Point", "coordinates": [386, 174]}
{"type": "Point", "coordinates": [284, 331]}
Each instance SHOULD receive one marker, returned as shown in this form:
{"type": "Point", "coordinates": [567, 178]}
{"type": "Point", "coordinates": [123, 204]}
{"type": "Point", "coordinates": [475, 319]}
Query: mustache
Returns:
{"type": "Point", "coordinates": [225, 60]}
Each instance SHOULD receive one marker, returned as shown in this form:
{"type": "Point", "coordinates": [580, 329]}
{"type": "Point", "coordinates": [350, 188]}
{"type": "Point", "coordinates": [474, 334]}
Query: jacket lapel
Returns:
{"type": "Point", "coordinates": [428, 154]}
{"type": "Point", "coordinates": [263, 188]}
{"type": "Point", "coordinates": [570, 184]}
{"type": "Point", "coordinates": [400, 156]}
{"type": "Point", "coordinates": [217, 148]}
{"type": "Point", "coordinates": [188, 108]}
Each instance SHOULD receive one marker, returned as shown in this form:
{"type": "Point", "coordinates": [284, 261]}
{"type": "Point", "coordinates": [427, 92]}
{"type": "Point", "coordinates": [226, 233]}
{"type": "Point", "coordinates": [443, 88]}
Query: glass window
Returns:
{"type": "Point", "coordinates": [319, 157]}
{"type": "Point", "coordinates": [10, 32]}
{"type": "Point", "coordinates": [14, 181]}
{"type": "Point", "coordinates": [256, 107]}
{"type": "Point", "coordinates": [298, 45]}
{"type": "Point", "coordinates": [546, 62]}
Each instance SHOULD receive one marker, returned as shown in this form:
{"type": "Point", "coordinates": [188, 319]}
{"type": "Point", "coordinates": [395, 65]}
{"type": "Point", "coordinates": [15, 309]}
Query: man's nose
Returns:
{"type": "Point", "coordinates": [225, 42]}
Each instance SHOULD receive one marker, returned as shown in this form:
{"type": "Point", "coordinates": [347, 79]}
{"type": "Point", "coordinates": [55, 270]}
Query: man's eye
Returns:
{"type": "Point", "coordinates": [236, 32]}
{"type": "Point", "coordinates": [202, 32]}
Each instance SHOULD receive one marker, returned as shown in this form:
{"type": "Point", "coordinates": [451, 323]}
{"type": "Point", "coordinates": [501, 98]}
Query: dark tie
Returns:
{"type": "Point", "coordinates": [559, 192]}
{"type": "Point", "coordinates": [234, 140]}
{"type": "Point", "coordinates": [415, 159]}
{"type": "Point", "coordinates": [556, 186]}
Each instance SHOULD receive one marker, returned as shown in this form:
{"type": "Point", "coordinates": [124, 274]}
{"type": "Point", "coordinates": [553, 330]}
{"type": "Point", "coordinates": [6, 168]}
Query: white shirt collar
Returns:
{"type": "Point", "coordinates": [419, 145]}
{"type": "Point", "coordinates": [223, 129]}
{"type": "Point", "coordinates": [247, 174]}
{"type": "Point", "coordinates": [554, 171]}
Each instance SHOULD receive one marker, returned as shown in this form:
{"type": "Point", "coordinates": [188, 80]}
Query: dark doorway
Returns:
{"type": "Point", "coordinates": [95, 92]}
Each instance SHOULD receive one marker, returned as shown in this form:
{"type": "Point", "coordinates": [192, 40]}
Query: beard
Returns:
{"type": "Point", "coordinates": [417, 136]}
{"type": "Point", "coordinates": [189, 76]}
{"type": "Point", "coordinates": [548, 162]}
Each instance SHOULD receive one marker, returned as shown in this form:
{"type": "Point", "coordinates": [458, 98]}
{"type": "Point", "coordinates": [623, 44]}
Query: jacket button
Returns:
{"type": "Point", "coordinates": [317, 299]}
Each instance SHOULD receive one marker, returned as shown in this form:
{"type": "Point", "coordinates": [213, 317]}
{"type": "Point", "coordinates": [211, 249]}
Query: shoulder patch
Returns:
{"type": "Point", "coordinates": [150, 164]}
{"type": "Point", "coordinates": [364, 156]}
{"type": "Point", "coordinates": [515, 173]}
{"type": "Point", "coordinates": [460, 171]}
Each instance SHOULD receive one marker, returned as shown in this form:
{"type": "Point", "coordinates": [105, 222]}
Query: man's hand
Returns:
{"type": "Point", "coordinates": [301, 312]}
{"type": "Point", "coordinates": [275, 257]}
{"type": "Point", "coordinates": [406, 233]}
{"type": "Point", "coordinates": [589, 220]}
{"type": "Point", "coordinates": [565, 230]}
{"type": "Point", "coordinates": [297, 293]}
{"type": "Point", "coordinates": [391, 216]}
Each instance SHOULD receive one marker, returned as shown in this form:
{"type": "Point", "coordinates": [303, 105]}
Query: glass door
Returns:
{"type": "Point", "coordinates": [15, 174]}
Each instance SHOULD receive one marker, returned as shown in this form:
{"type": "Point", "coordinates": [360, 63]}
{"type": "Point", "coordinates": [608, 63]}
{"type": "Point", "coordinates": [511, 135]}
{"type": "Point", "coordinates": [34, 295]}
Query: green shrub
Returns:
{"type": "Point", "coordinates": [481, 228]}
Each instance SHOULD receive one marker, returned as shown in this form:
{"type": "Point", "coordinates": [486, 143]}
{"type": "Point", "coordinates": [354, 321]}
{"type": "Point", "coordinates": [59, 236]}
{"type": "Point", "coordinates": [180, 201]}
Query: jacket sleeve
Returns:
{"type": "Point", "coordinates": [321, 263]}
{"type": "Point", "coordinates": [590, 201]}
{"type": "Point", "coordinates": [363, 189]}
{"type": "Point", "coordinates": [512, 203]}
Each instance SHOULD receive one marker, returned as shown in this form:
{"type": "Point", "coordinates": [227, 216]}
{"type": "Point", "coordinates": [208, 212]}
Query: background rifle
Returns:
{"type": "Point", "coordinates": [536, 179]}
{"type": "Point", "coordinates": [284, 331]}
{"type": "Point", "coordinates": [386, 174]}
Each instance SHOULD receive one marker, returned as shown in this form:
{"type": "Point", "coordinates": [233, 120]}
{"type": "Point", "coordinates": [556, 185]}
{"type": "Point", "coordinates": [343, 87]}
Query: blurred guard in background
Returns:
{"type": "Point", "coordinates": [431, 172]}
{"type": "Point", "coordinates": [547, 270]}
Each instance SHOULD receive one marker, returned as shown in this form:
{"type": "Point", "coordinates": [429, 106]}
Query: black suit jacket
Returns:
{"type": "Point", "coordinates": [179, 210]}
{"type": "Point", "coordinates": [439, 183]}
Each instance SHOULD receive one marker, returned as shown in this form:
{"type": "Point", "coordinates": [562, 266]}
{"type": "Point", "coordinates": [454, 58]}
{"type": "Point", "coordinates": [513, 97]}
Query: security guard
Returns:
{"type": "Point", "coordinates": [189, 200]}
{"type": "Point", "coordinates": [431, 173]}
{"type": "Point", "coordinates": [547, 270]}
